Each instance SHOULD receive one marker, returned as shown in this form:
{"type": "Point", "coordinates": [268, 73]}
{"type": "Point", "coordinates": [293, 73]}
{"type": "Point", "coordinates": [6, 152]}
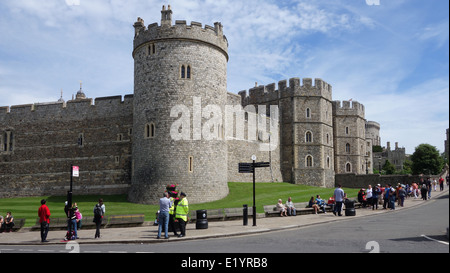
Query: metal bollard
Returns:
{"type": "Point", "coordinates": [245, 215]}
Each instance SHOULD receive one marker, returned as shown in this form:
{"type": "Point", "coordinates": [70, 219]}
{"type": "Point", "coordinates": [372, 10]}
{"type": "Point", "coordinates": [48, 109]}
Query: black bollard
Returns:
{"type": "Point", "coordinates": [245, 218]}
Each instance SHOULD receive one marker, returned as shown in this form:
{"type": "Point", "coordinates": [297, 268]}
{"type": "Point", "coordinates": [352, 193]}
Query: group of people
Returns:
{"type": "Point", "coordinates": [173, 212]}
{"type": "Point", "coordinates": [7, 223]}
{"type": "Point", "coordinates": [74, 219]}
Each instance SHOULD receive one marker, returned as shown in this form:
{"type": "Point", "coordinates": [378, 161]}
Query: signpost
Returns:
{"type": "Point", "coordinates": [250, 168]}
{"type": "Point", "coordinates": [74, 172]}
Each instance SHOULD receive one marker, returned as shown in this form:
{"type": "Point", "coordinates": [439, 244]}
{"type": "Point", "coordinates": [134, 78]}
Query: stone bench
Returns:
{"type": "Point", "coordinates": [127, 220]}
{"type": "Point", "coordinates": [18, 224]}
{"type": "Point", "coordinates": [211, 215]}
{"type": "Point", "coordinates": [237, 213]}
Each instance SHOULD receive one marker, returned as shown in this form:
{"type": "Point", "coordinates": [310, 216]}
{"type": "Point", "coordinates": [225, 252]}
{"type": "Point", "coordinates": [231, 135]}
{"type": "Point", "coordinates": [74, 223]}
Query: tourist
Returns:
{"type": "Point", "coordinates": [339, 199]}
{"type": "Point", "coordinates": [441, 183]}
{"type": "Point", "coordinates": [362, 197]}
{"type": "Point", "coordinates": [369, 195]}
{"type": "Point", "coordinates": [44, 220]}
{"type": "Point", "coordinates": [99, 211]}
{"type": "Point", "coordinates": [428, 182]}
{"type": "Point", "coordinates": [281, 208]}
{"type": "Point", "coordinates": [376, 192]}
{"type": "Point", "coordinates": [1, 222]}
{"type": "Point", "coordinates": [291, 210]}
{"type": "Point", "coordinates": [164, 207]}
{"type": "Point", "coordinates": [386, 203]}
{"type": "Point", "coordinates": [8, 222]}
{"type": "Point", "coordinates": [78, 216]}
{"type": "Point", "coordinates": [401, 195]}
{"type": "Point", "coordinates": [391, 198]}
{"type": "Point", "coordinates": [72, 233]}
{"type": "Point", "coordinates": [423, 191]}
{"type": "Point", "coordinates": [320, 203]}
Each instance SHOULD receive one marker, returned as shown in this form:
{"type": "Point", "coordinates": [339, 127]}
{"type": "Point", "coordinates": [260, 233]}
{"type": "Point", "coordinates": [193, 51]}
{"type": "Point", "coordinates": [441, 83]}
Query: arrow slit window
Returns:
{"type": "Point", "coordinates": [191, 164]}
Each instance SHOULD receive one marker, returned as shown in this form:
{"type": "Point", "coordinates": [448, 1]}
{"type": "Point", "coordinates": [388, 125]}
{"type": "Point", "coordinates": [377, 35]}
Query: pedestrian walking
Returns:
{"type": "Point", "coordinates": [392, 195]}
{"type": "Point", "coordinates": [423, 191]}
{"type": "Point", "coordinates": [182, 214]}
{"type": "Point", "coordinates": [429, 187]}
{"type": "Point", "coordinates": [339, 199]}
{"type": "Point", "coordinates": [99, 211]}
{"type": "Point", "coordinates": [401, 195]}
{"type": "Point", "coordinates": [44, 220]}
{"type": "Point", "coordinates": [164, 207]}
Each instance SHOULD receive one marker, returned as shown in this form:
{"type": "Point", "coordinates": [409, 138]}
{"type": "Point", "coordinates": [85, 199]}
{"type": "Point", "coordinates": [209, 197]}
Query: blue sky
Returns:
{"type": "Point", "coordinates": [392, 57]}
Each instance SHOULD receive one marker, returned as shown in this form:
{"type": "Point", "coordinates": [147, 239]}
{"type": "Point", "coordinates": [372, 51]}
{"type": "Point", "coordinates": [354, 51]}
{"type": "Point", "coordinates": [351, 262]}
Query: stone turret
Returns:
{"type": "Point", "coordinates": [178, 67]}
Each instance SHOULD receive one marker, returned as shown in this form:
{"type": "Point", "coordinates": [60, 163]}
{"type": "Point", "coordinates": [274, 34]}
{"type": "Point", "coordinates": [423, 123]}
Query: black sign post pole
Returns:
{"type": "Point", "coordinates": [254, 194]}
{"type": "Point", "coordinates": [251, 168]}
{"type": "Point", "coordinates": [69, 193]}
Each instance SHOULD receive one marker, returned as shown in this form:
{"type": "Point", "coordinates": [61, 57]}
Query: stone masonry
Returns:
{"type": "Point", "coordinates": [175, 128]}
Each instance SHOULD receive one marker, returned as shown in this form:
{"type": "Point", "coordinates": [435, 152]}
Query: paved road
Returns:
{"type": "Point", "coordinates": [397, 231]}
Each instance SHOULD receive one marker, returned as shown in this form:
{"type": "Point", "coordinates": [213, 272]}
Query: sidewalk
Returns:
{"type": "Point", "coordinates": [147, 234]}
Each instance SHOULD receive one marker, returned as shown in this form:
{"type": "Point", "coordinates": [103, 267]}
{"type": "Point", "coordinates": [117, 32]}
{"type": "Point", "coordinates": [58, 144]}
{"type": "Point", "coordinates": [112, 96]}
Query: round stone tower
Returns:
{"type": "Point", "coordinates": [180, 87]}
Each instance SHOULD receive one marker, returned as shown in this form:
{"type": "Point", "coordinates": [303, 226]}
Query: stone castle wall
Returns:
{"type": "Point", "coordinates": [45, 144]}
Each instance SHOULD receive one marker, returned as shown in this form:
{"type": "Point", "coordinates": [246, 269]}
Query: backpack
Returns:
{"type": "Point", "coordinates": [98, 212]}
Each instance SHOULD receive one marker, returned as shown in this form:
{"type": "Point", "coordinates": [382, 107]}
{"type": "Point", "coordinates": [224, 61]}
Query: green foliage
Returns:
{"type": "Point", "coordinates": [426, 160]}
{"type": "Point", "coordinates": [388, 167]}
{"type": "Point", "coordinates": [377, 149]}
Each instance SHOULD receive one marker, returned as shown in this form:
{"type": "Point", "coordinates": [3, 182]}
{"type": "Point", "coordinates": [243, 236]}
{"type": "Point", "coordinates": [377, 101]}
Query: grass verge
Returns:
{"type": "Point", "coordinates": [240, 193]}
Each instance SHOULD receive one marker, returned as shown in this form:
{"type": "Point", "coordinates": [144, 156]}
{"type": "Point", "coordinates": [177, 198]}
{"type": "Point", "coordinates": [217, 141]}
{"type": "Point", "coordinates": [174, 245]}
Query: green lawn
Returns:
{"type": "Point", "coordinates": [240, 193]}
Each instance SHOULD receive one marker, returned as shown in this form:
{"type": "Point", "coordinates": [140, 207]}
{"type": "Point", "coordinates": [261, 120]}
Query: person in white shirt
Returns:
{"type": "Point", "coordinates": [291, 210]}
{"type": "Point", "coordinates": [369, 196]}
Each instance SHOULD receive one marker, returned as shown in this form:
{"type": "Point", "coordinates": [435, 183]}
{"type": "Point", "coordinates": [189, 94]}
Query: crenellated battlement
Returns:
{"type": "Point", "coordinates": [348, 108]}
{"type": "Point", "coordinates": [265, 94]}
{"type": "Point", "coordinates": [180, 31]}
{"type": "Point", "coordinates": [107, 106]}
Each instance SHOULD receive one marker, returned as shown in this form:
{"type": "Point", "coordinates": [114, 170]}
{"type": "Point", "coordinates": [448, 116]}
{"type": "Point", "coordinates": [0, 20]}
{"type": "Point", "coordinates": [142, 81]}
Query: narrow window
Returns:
{"type": "Point", "coordinates": [346, 130]}
{"type": "Point", "coordinates": [5, 142]}
{"type": "Point", "coordinates": [153, 49]}
{"type": "Point", "coordinates": [183, 72]}
{"type": "Point", "coordinates": [308, 112]}
{"type": "Point", "coordinates": [149, 130]}
{"type": "Point", "coordinates": [308, 137]}
{"type": "Point", "coordinates": [191, 164]}
{"type": "Point", "coordinates": [11, 141]}
{"type": "Point", "coordinates": [188, 74]}
{"type": "Point", "coordinates": [328, 139]}
{"type": "Point", "coordinates": [117, 160]}
{"type": "Point", "coordinates": [328, 162]}
{"type": "Point", "coordinates": [80, 140]}
{"type": "Point", "coordinates": [152, 130]}
{"type": "Point", "coordinates": [348, 167]}
{"type": "Point", "coordinates": [119, 137]}
{"type": "Point", "coordinates": [347, 148]}
{"type": "Point", "coordinates": [309, 161]}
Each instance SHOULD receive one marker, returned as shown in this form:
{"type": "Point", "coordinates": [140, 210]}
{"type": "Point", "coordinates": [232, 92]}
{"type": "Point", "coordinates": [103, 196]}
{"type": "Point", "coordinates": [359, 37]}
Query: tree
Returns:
{"type": "Point", "coordinates": [388, 167]}
{"type": "Point", "coordinates": [426, 160]}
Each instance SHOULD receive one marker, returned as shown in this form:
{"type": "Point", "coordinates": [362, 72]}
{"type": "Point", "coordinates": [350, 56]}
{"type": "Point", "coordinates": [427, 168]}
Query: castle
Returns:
{"type": "Point", "coordinates": [127, 145]}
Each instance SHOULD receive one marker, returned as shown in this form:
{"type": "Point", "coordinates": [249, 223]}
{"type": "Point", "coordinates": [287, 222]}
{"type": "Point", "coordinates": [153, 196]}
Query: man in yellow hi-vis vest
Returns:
{"type": "Point", "coordinates": [182, 214]}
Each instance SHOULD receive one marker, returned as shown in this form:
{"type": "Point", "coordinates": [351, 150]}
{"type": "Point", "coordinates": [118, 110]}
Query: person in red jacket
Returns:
{"type": "Point", "coordinates": [44, 219]}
